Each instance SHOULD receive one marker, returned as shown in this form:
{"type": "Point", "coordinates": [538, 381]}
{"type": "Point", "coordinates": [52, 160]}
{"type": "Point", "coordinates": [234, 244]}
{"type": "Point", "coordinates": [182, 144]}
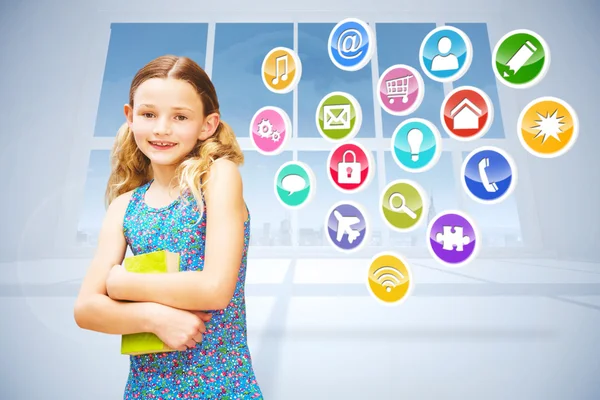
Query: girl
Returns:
{"type": "Point", "coordinates": [175, 185]}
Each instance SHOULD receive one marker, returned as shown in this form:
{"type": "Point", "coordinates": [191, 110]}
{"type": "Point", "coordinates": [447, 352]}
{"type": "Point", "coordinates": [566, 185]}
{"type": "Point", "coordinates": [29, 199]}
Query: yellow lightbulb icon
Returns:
{"type": "Point", "coordinates": [389, 278]}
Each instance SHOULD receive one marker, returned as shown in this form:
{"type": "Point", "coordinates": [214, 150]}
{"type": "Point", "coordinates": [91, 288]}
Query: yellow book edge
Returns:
{"type": "Point", "coordinates": [162, 261]}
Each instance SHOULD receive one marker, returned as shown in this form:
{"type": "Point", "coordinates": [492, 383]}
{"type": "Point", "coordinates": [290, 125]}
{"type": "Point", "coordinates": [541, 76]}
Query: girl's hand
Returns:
{"type": "Point", "coordinates": [114, 280]}
{"type": "Point", "coordinates": [179, 329]}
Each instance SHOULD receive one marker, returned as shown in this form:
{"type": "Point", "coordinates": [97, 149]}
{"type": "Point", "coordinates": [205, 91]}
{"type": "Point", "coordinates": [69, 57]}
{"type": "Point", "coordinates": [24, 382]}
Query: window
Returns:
{"type": "Point", "coordinates": [311, 218]}
{"type": "Point", "coordinates": [131, 46]}
{"type": "Point", "coordinates": [440, 186]}
{"type": "Point", "coordinates": [399, 43]}
{"type": "Point", "coordinates": [320, 77]}
{"type": "Point", "coordinates": [238, 55]}
{"type": "Point", "coordinates": [481, 75]}
{"type": "Point", "coordinates": [92, 210]}
{"type": "Point", "coordinates": [499, 223]}
{"type": "Point", "coordinates": [234, 59]}
{"type": "Point", "coordinates": [239, 51]}
{"type": "Point", "coordinates": [439, 183]}
{"type": "Point", "coordinates": [270, 223]}
{"type": "Point", "coordinates": [122, 62]}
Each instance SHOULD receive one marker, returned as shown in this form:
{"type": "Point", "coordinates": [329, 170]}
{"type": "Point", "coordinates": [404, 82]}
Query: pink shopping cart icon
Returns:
{"type": "Point", "coordinates": [397, 87]}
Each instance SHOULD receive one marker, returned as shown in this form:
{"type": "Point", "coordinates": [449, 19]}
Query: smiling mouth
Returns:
{"type": "Point", "coordinates": [162, 145]}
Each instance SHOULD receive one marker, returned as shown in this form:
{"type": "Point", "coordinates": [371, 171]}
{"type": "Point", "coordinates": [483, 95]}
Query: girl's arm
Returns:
{"type": "Point", "coordinates": [212, 288]}
{"type": "Point", "coordinates": [94, 310]}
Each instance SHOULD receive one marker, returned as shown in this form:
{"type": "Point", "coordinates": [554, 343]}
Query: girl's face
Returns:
{"type": "Point", "coordinates": [167, 120]}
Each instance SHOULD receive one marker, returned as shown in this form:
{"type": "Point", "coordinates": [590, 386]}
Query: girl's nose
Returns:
{"type": "Point", "coordinates": [162, 127]}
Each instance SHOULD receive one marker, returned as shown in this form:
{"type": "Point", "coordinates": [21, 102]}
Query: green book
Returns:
{"type": "Point", "coordinates": [162, 261]}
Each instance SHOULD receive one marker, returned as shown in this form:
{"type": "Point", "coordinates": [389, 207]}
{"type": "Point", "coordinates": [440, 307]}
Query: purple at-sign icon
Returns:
{"type": "Point", "coordinates": [346, 225]}
{"type": "Point", "coordinates": [453, 239]}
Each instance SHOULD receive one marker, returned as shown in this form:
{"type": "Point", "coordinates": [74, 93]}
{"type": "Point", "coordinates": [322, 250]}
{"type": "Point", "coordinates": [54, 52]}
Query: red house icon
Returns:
{"type": "Point", "coordinates": [465, 115]}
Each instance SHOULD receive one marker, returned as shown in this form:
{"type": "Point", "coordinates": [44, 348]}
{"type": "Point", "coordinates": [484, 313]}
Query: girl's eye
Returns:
{"type": "Point", "coordinates": [181, 117]}
{"type": "Point", "coordinates": [147, 115]}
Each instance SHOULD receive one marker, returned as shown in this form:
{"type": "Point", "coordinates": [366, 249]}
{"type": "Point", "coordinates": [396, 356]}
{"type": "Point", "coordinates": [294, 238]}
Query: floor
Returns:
{"type": "Point", "coordinates": [496, 329]}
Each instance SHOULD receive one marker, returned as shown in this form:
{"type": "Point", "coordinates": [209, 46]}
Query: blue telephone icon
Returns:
{"type": "Point", "coordinates": [490, 187]}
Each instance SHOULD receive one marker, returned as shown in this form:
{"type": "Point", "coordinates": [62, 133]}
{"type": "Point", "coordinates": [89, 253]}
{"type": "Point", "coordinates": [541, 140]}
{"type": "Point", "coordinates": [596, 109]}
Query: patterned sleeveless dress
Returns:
{"type": "Point", "coordinates": [220, 367]}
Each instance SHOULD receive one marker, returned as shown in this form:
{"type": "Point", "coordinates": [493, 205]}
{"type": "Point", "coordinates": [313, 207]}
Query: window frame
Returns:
{"type": "Point", "coordinates": [529, 224]}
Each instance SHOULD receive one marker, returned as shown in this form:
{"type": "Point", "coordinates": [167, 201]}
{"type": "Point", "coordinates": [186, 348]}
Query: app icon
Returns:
{"type": "Point", "coordinates": [347, 226]}
{"type": "Point", "coordinates": [338, 117]}
{"type": "Point", "coordinates": [281, 70]}
{"type": "Point", "coordinates": [416, 145]}
{"type": "Point", "coordinates": [401, 90]}
{"type": "Point", "coordinates": [389, 279]}
{"type": "Point", "coordinates": [351, 44]}
{"type": "Point", "coordinates": [452, 238]}
{"type": "Point", "coordinates": [295, 184]}
{"type": "Point", "coordinates": [351, 167]}
{"type": "Point", "coordinates": [548, 127]}
{"type": "Point", "coordinates": [489, 175]}
{"type": "Point", "coordinates": [467, 113]}
{"type": "Point", "coordinates": [403, 205]}
{"type": "Point", "coordinates": [270, 130]}
{"type": "Point", "coordinates": [446, 54]}
{"type": "Point", "coordinates": [521, 59]}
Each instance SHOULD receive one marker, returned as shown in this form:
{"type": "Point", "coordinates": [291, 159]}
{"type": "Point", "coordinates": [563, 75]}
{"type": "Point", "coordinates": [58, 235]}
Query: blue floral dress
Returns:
{"type": "Point", "coordinates": [220, 367]}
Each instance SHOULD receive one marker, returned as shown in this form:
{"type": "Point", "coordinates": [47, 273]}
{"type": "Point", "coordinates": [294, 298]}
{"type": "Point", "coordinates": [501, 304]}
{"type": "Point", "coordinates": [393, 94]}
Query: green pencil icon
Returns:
{"type": "Point", "coordinates": [520, 57]}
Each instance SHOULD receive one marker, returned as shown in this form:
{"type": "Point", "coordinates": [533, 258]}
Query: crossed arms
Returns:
{"type": "Point", "coordinates": [99, 306]}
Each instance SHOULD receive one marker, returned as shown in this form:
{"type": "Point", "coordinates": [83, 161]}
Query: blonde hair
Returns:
{"type": "Point", "coordinates": [130, 168]}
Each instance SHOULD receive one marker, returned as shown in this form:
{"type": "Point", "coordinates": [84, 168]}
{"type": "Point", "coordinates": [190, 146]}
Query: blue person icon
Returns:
{"type": "Point", "coordinates": [446, 54]}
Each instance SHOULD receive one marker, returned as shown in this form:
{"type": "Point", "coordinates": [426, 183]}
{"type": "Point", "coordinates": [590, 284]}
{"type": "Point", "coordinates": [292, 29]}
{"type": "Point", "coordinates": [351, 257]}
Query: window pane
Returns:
{"type": "Point", "coordinates": [311, 218]}
{"type": "Point", "coordinates": [481, 74]}
{"type": "Point", "coordinates": [399, 43]}
{"type": "Point", "coordinates": [320, 77]}
{"type": "Point", "coordinates": [439, 185]}
{"type": "Point", "coordinates": [131, 46]}
{"type": "Point", "coordinates": [499, 224]}
{"type": "Point", "coordinates": [92, 211]}
{"type": "Point", "coordinates": [270, 222]}
{"type": "Point", "coordinates": [238, 55]}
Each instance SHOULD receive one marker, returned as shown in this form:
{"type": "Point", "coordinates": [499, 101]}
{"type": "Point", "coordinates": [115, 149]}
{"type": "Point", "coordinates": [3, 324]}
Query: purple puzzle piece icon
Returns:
{"type": "Point", "coordinates": [453, 238]}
